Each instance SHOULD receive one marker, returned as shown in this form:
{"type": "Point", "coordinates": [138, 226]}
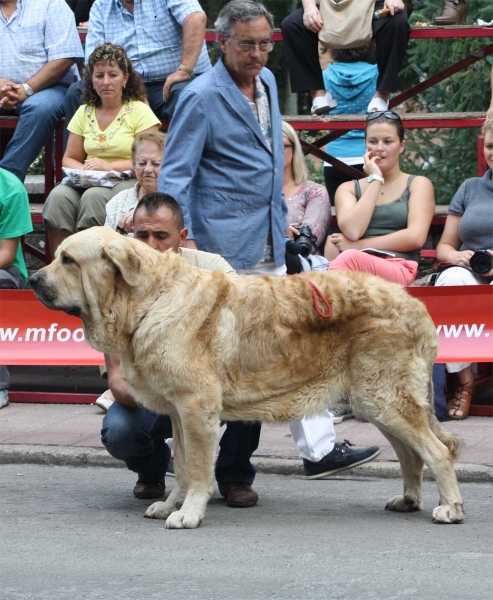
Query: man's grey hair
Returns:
{"type": "Point", "coordinates": [243, 11]}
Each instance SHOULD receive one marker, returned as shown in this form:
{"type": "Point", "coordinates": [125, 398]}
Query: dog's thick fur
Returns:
{"type": "Point", "coordinates": [200, 346]}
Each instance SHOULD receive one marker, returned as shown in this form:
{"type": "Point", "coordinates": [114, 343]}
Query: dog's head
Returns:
{"type": "Point", "coordinates": [101, 277]}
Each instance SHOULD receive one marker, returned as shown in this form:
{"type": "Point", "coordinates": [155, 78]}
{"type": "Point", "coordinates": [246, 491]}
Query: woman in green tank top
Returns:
{"type": "Point", "coordinates": [387, 213]}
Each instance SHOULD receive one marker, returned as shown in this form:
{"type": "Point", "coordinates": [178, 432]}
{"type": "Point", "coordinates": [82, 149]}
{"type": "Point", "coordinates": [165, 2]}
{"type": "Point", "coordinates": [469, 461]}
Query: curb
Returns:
{"type": "Point", "coordinates": [70, 456]}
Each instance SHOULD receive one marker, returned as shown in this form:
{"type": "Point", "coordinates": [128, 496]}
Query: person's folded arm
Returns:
{"type": "Point", "coordinates": [193, 39]}
{"type": "Point", "coordinates": [117, 383]}
{"type": "Point", "coordinates": [8, 249]}
{"type": "Point", "coordinates": [74, 155]}
{"type": "Point", "coordinates": [448, 248]}
{"type": "Point", "coordinates": [420, 216]}
{"type": "Point", "coordinates": [354, 216]}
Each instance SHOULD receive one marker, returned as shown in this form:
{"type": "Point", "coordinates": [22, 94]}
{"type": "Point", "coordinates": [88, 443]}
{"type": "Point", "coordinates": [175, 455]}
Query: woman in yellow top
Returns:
{"type": "Point", "coordinates": [101, 135]}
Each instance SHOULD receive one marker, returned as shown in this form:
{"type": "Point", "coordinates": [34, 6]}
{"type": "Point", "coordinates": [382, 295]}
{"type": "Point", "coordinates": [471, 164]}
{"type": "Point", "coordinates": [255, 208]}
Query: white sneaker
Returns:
{"type": "Point", "coordinates": [104, 402]}
{"type": "Point", "coordinates": [323, 104]}
{"type": "Point", "coordinates": [4, 398]}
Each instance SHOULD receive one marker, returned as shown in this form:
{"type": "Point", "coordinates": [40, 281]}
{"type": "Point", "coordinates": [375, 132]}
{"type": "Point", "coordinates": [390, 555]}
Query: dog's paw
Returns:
{"type": "Point", "coordinates": [403, 504]}
{"type": "Point", "coordinates": [159, 510]}
{"type": "Point", "coordinates": [449, 514]}
{"type": "Point", "coordinates": [183, 520]}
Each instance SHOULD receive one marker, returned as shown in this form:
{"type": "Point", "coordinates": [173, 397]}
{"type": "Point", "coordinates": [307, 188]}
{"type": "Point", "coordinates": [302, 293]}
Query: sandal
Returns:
{"type": "Point", "coordinates": [460, 401]}
{"type": "Point", "coordinates": [377, 104]}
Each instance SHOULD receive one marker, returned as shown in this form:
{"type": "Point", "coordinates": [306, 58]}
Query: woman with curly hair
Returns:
{"type": "Point", "coordinates": [102, 132]}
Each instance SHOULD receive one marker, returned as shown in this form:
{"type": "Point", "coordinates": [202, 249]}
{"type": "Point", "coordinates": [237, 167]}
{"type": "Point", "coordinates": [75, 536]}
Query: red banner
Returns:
{"type": "Point", "coordinates": [31, 334]}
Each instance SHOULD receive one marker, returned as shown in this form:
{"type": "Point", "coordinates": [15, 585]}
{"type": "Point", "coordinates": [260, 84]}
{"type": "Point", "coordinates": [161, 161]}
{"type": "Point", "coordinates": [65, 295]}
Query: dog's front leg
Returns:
{"type": "Point", "coordinates": [200, 430]}
{"type": "Point", "coordinates": [162, 510]}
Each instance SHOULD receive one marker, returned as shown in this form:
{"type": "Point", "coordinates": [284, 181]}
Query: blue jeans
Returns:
{"type": "Point", "coordinates": [137, 437]}
{"type": "Point", "coordinates": [38, 117]}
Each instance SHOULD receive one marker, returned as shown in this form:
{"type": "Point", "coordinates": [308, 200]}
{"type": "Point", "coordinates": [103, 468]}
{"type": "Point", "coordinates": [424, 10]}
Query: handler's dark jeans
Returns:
{"type": "Point", "coordinates": [137, 437]}
{"type": "Point", "coordinates": [163, 110]}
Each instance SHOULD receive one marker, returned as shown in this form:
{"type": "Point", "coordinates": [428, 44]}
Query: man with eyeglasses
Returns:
{"type": "Point", "coordinates": [224, 164]}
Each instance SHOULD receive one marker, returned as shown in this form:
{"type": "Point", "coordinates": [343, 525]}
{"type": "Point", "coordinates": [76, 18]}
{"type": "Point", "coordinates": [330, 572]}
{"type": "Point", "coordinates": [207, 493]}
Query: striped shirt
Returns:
{"type": "Point", "coordinates": [152, 35]}
{"type": "Point", "coordinates": [38, 32]}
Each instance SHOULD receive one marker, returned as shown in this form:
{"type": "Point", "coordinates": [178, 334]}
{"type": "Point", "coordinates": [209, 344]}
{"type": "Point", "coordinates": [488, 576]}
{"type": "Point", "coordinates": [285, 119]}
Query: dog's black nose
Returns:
{"type": "Point", "coordinates": [34, 279]}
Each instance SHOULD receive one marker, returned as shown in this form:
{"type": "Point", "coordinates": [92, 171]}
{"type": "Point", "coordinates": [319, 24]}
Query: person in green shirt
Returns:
{"type": "Point", "coordinates": [15, 221]}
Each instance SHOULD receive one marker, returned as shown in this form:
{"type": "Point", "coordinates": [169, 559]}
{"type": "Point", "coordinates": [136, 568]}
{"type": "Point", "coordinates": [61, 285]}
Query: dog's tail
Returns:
{"type": "Point", "coordinates": [450, 440]}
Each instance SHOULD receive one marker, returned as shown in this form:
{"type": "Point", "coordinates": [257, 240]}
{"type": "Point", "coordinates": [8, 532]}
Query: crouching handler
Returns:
{"type": "Point", "coordinates": [137, 436]}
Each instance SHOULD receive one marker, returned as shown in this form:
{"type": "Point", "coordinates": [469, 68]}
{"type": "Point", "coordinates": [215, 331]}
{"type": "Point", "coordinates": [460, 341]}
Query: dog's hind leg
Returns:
{"type": "Point", "coordinates": [412, 472]}
{"type": "Point", "coordinates": [162, 510]}
{"type": "Point", "coordinates": [416, 433]}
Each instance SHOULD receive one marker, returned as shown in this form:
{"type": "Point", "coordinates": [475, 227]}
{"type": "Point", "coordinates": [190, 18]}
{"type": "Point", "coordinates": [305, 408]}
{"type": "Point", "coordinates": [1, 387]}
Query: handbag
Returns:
{"type": "Point", "coordinates": [347, 23]}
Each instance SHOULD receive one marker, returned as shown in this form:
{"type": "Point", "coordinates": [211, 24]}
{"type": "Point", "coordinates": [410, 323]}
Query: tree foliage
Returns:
{"type": "Point", "coordinates": [446, 156]}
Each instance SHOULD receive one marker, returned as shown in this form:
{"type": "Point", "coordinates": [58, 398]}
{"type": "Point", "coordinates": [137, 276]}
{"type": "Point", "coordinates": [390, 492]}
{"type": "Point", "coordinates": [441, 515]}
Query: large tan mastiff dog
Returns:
{"type": "Point", "coordinates": [201, 347]}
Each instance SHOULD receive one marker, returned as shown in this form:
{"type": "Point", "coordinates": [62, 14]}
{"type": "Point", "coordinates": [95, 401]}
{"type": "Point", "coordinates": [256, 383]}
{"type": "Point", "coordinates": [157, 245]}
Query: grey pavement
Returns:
{"type": "Point", "coordinates": [70, 435]}
{"type": "Point", "coordinates": [78, 534]}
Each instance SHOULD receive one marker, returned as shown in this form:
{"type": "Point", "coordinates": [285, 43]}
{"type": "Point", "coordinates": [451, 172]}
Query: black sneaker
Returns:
{"type": "Point", "coordinates": [341, 458]}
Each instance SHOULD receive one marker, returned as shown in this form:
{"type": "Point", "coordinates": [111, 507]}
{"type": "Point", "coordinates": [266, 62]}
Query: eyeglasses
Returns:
{"type": "Point", "coordinates": [247, 47]}
{"type": "Point", "coordinates": [388, 114]}
{"type": "Point", "coordinates": [286, 146]}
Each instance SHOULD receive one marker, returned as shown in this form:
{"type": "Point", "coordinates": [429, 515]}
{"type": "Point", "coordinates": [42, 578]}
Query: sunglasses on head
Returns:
{"type": "Point", "coordinates": [388, 114]}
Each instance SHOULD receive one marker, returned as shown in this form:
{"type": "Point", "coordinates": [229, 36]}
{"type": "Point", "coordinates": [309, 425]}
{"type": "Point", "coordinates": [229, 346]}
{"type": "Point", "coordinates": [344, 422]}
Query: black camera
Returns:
{"type": "Point", "coordinates": [481, 262]}
{"type": "Point", "coordinates": [304, 242]}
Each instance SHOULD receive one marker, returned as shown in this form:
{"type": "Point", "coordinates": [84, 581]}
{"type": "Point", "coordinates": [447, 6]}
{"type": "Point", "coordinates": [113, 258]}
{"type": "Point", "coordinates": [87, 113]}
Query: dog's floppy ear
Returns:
{"type": "Point", "coordinates": [128, 259]}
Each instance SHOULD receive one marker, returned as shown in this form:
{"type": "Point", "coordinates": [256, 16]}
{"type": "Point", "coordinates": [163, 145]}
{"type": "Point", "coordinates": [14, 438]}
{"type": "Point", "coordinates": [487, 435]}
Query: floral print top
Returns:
{"type": "Point", "coordinates": [311, 206]}
{"type": "Point", "coordinates": [115, 142]}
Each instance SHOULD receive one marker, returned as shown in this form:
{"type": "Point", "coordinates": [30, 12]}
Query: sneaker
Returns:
{"type": "Point", "coordinates": [4, 398]}
{"type": "Point", "coordinates": [147, 490]}
{"type": "Point", "coordinates": [341, 458]}
{"type": "Point", "coordinates": [323, 104]}
{"type": "Point", "coordinates": [341, 413]}
{"type": "Point", "coordinates": [104, 402]}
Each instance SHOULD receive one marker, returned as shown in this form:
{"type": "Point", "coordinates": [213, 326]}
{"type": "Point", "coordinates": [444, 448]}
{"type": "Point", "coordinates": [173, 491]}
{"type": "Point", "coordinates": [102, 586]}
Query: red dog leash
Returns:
{"type": "Point", "coordinates": [316, 294]}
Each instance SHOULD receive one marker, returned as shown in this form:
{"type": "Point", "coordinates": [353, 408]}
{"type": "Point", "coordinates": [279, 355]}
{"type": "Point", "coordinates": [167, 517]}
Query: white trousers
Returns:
{"type": "Point", "coordinates": [314, 436]}
{"type": "Point", "coordinates": [458, 276]}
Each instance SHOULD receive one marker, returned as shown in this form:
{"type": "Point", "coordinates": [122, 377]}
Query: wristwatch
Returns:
{"type": "Point", "coordinates": [28, 89]}
{"type": "Point", "coordinates": [373, 177]}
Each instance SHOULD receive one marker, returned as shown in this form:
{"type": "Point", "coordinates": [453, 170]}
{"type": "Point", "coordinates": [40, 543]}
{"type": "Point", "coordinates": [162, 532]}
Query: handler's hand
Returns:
{"type": "Point", "coordinates": [312, 19]}
{"type": "Point", "coordinates": [394, 6]}
{"type": "Point", "coordinates": [175, 77]}
{"type": "Point", "coordinates": [489, 114]}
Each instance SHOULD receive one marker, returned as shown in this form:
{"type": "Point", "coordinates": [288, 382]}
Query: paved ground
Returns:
{"type": "Point", "coordinates": [78, 534]}
{"type": "Point", "coordinates": [69, 434]}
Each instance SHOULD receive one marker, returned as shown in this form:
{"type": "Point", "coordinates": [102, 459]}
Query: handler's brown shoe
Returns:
{"type": "Point", "coordinates": [146, 490]}
{"type": "Point", "coordinates": [238, 495]}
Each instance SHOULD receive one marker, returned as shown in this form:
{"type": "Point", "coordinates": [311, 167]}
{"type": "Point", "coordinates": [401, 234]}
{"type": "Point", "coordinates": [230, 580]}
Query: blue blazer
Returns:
{"type": "Point", "coordinates": [218, 167]}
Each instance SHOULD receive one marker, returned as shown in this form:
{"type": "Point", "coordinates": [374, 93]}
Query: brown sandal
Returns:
{"type": "Point", "coordinates": [461, 400]}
